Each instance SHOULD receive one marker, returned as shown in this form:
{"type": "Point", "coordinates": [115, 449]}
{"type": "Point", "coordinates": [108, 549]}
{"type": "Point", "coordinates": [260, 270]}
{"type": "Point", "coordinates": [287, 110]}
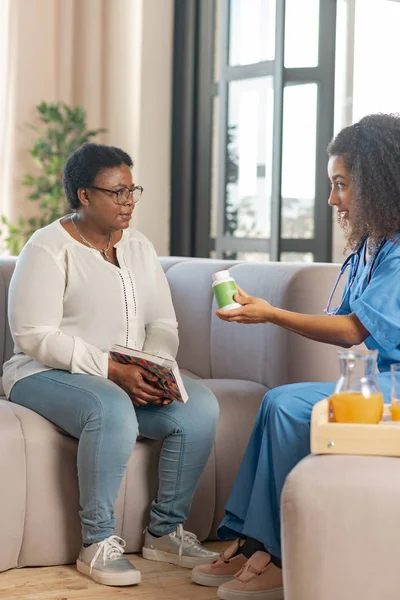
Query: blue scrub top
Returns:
{"type": "Point", "coordinates": [374, 298]}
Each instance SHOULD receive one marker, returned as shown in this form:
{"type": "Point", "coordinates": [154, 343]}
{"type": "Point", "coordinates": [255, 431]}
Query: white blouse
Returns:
{"type": "Point", "coordinates": [68, 306]}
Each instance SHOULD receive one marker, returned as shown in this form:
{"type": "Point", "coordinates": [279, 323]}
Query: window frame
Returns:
{"type": "Point", "coordinates": [193, 92]}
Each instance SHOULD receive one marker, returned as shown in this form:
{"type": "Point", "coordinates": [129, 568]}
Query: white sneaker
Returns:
{"type": "Point", "coordinates": [104, 563]}
{"type": "Point", "coordinates": [180, 548]}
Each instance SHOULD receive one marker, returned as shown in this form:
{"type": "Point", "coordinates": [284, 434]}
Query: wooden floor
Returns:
{"type": "Point", "coordinates": [160, 581]}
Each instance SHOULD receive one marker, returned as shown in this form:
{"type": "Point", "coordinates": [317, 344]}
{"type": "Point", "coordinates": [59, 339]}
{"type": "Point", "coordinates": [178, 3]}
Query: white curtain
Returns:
{"type": "Point", "coordinates": [4, 29]}
{"type": "Point", "coordinates": [53, 52]}
{"type": "Point", "coordinates": [4, 32]}
{"type": "Point", "coordinates": [112, 56]}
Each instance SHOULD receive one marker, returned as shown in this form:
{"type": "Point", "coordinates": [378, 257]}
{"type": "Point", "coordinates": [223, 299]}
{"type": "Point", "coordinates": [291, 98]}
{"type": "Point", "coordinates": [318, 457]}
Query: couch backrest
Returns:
{"type": "Point", "coordinates": [210, 347]}
{"type": "Point", "coordinates": [190, 283]}
{"type": "Point", "coordinates": [6, 343]}
{"type": "Point", "coordinates": [267, 354]}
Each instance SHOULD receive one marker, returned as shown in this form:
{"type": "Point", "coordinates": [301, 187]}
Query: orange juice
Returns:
{"type": "Point", "coordinates": [395, 410]}
{"type": "Point", "coordinates": [353, 407]}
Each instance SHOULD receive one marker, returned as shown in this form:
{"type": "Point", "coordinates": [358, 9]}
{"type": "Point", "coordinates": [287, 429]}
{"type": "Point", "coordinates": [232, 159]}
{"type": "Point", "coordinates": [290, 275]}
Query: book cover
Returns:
{"type": "Point", "coordinates": [167, 371]}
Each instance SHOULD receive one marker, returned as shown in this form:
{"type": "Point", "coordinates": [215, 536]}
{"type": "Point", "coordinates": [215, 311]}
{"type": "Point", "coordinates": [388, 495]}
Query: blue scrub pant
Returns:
{"type": "Point", "coordinates": [280, 439]}
{"type": "Point", "coordinates": [101, 415]}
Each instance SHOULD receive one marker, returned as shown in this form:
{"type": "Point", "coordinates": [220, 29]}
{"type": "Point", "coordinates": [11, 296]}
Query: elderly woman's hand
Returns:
{"type": "Point", "coordinates": [137, 382]}
{"type": "Point", "coordinates": [253, 310]}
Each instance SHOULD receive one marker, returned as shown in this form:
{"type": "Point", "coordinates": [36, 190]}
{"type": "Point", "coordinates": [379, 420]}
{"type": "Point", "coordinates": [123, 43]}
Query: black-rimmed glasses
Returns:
{"type": "Point", "coordinates": [122, 195]}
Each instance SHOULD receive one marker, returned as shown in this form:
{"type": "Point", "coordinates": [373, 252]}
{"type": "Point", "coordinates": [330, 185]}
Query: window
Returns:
{"type": "Point", "coordinates": [253, 114]}
{"type": "Point", "coordinates": [367, 57]}
{"type": "Point", "coordinates": [369, 31]}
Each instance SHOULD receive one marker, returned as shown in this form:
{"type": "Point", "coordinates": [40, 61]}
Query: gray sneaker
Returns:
{"type": "Point", "coordinates": [180, 548]}
{"type": "Point", "coordinates": [104, 563]}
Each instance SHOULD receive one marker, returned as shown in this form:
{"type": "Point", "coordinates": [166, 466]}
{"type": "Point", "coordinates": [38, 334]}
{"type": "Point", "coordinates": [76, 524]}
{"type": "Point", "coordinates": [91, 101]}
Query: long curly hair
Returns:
{"type": "Point", "coordinates": [371, 152]}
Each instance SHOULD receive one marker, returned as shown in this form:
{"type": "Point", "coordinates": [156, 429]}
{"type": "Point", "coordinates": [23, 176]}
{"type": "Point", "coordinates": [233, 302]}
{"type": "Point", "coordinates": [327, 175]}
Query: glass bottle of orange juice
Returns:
{"type": "Point", "coordinates": [357, 397]}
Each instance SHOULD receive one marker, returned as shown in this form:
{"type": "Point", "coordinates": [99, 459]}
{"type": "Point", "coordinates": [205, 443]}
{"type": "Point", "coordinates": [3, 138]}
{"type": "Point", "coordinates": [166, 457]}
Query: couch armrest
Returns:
{"type": "Point", "coordinates": [52, 499]}
{"type": "Point", "coordinates": [12, 486]}
{"type": "Point", "coordinates": [340, 529]}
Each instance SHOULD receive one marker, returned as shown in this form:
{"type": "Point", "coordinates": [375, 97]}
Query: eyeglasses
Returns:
{"type": "Point", "coordinates": [122, 195]}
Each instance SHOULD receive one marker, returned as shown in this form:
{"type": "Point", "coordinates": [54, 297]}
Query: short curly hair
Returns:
{"type": "Point", "coordinates": [371, 152]}
{"type": "Point", "coordinates": [85, 163]}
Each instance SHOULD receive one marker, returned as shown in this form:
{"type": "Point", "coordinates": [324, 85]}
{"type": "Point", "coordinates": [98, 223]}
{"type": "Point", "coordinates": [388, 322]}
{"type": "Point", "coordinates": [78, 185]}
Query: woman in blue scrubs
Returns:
{"type": "Point", "coordinates": [364, 170]}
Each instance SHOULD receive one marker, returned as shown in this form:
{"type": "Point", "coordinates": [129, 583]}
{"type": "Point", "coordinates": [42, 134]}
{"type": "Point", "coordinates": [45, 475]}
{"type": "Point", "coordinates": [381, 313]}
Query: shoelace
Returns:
{"type": "Point", "coordinates": [186, 537]}
{"type": "Point", "coordinates": [111, 548]}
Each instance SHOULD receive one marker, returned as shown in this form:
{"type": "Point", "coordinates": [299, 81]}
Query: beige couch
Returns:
{"type": "Point", "coordinates": [340, 529]}
{"type": "Point", "coordinates": [39, 522]}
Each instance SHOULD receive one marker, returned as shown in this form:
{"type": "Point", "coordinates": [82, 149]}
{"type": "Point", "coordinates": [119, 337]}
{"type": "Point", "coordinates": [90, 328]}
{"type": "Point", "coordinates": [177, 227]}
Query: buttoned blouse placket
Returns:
{"type": "Point", "coordinates": [128, 288]}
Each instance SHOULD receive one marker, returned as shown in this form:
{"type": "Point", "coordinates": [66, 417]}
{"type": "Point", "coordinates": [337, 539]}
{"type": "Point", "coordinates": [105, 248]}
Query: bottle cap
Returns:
{"type": "Point", "coordinates": [220, 275]}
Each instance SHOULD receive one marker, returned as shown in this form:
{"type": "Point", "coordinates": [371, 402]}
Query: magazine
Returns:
{"type": "Point", "coordinates": [166, 369]}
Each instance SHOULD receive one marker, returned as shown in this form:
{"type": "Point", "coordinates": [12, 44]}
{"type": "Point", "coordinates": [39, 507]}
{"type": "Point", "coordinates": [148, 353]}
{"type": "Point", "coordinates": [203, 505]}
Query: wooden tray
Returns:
{"type": "Point", "coordinates": [327, 437]}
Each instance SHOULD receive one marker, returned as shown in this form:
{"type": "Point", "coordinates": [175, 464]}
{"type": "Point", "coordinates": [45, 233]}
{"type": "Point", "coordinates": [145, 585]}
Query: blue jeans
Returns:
{"type": "Point", "coordinates": [101, 415]}
{"type": "Point", "coordinates": [280, 439]}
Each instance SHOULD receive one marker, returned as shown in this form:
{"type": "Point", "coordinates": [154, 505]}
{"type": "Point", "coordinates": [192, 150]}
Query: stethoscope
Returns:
{"type": "Point", "coordinates": [353, 262]}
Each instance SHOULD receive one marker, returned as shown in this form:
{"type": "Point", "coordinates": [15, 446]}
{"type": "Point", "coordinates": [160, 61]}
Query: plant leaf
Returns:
{"type": "Point", "coordinates": [63, 129]}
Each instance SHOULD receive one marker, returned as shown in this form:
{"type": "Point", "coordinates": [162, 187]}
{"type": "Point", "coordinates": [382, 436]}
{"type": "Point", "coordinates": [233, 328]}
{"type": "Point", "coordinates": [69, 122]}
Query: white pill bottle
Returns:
{"type": "Point", "coordinates": [224, 288]}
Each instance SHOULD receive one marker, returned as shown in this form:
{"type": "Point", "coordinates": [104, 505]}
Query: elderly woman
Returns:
{"type": "Point", "coordinates": [81, 285]}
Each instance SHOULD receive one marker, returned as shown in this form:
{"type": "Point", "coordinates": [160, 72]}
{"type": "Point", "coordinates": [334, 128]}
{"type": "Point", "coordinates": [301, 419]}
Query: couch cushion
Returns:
{"type": "Point", "coordinates": [189, 374]}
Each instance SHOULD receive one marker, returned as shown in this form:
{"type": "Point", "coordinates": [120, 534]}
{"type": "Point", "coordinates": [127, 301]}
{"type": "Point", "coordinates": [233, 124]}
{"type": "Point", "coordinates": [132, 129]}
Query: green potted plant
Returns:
{"type": "Point", "coordinates": [63, 131]}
